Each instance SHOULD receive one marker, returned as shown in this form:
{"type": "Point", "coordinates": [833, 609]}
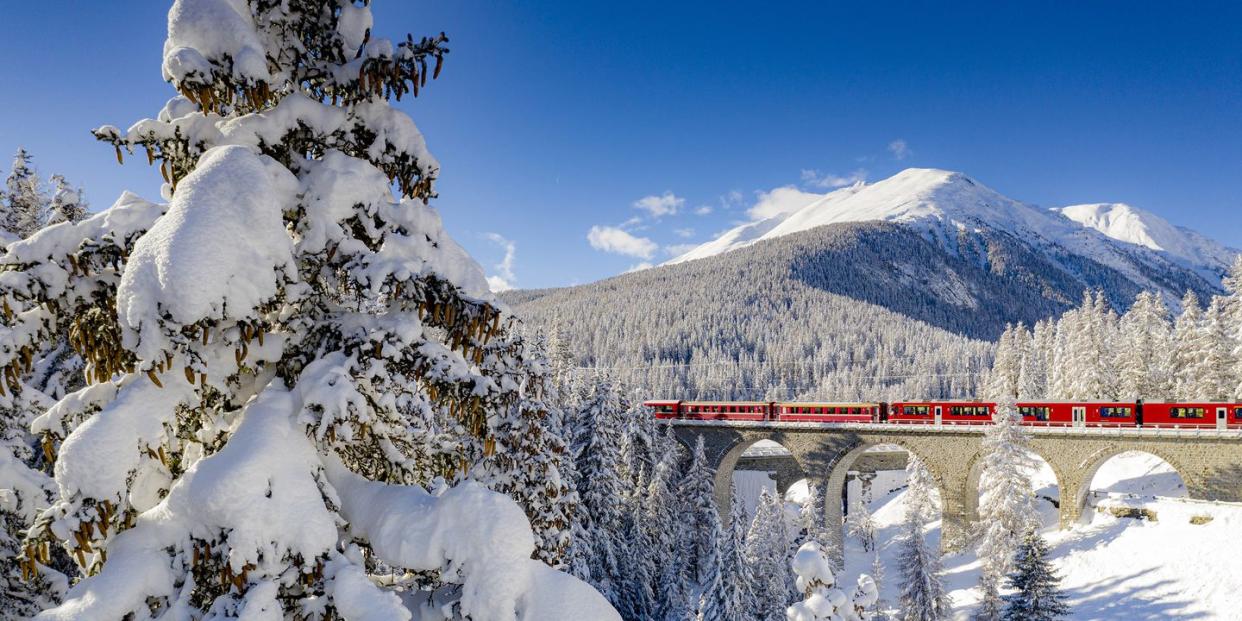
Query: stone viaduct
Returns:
{"type": "Point", "coordinates": [1209, 461]}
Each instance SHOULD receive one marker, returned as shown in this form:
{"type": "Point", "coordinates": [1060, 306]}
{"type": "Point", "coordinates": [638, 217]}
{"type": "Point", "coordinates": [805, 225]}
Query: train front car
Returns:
{"type": "Point", "coordinates": [1196, 415]}
{"type": "Point", "coordinates": [664, 409]}
{"type": "Point", "coordinates": [724, 410]}
{"type": "Point", "coordinates": [815, 412]}
{"type": "Point", "coordinates": [941, 412]}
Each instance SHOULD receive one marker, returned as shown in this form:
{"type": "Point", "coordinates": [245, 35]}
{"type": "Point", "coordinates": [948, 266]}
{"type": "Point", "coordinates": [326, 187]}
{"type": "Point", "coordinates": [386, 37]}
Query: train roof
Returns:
{"type": "Point", "coordinates": [830, 403]}
{"type": "Point", "coordinates": [725, 402]}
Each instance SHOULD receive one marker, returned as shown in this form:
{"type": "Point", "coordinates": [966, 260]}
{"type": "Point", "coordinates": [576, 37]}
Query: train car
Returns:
{"type": "Point", "coordinates": [1079, 413]}
{"type": "Point", "coordinates": [941, 412]}
{"type": "Point", "coordinates": [1194, 415]}
{"type": "Point", "coordinates": [664, 409]}
{"type": "Point", "coordinates": [798, 412]}
{"type": "Point", "coordinates": [724, 410]}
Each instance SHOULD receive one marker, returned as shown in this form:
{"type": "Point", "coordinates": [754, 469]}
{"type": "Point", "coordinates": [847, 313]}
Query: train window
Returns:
{"type": "Point", "coordinates": [1181, 412]}
{"type": "Point", "coordinates": [1116, 412]}
{"type": "Point", "coordinates": [1237, 413]}
{"type": "Point", "coordinates": [914, 410]}
{"type": "Point", "coordinates": [1040, 413]}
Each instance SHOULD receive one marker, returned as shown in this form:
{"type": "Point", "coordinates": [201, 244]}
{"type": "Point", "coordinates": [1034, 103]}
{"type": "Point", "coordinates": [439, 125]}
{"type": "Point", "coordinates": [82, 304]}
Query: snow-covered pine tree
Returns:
{"type": "Point", "coordinates": [25, 204]}
{"type": "Point", "coordinates": [1144, 358]}
{"type": "Point", "coordinates": [1006, 505]}
{"type": "Point", "coordinates": [922, 595]}
{"type": "Point", "coordinates": [1233, 312]}
{"type": "Point", "coordinates": [821, 600]}
{"type": "Point", "coordinates": [861, 523]}
{"type": "Point", "coordinates": [601, 488]}
{"type": "Point", "coordinates": [1217, 379]}
{"type": "Point", "coordinates": [729, 596]}
{"type": "Point", "coordinates": [636, 597]}
{"type": "Point", "coordinates": [1029, 371]}
{"type": "Point", "coordinates": [25, 491]}
{"type": "Point", "coordinates": [67, 204]}
{"type": "Point", "coordinates": [1188, 349]}
{"type": "Point", "coordinates": [666, 536]}
{"type": "Point", "coordinates": [533, 459]}
{"type": "Point", "coordinates": [880, 609]}
{"type": "Point", "coordinates": [865, 597]}
{"type": "Point", "coordinates": [1036, 594]}
{"type": "Point", "coordinates": [257, 422]}
{"type": "Point", "coordinates": [767, 553]}
{"type": "Point", "coordinates": [1060, 378]}
{"type": "Point", "coordinates": [701, 517]}
{"type": "Point", "coordinates": [1006, 367]}
{"type": "Point", "coordinates": [811, 520]}
{"type": "Point", "coordinates": [564, 371]}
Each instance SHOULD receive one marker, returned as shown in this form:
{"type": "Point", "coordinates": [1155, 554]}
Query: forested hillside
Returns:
{"type": "Point", "coordinates": [858, 310]}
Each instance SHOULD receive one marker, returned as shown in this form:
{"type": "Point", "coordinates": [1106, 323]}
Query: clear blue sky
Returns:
{"type": "Point", "coordinates": [551, 118]}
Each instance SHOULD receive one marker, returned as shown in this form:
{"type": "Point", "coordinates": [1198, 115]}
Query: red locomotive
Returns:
{"type": "Point", "coordinates": [1034, 413]}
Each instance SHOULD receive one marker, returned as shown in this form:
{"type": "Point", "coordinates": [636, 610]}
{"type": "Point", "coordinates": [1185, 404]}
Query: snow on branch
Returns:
{"type": "Point", "coordinates": [478, 537]}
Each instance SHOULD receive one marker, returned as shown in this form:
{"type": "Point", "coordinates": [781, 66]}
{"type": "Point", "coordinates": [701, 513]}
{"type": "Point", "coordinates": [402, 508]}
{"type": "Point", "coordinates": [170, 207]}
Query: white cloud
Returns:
{"type": "Point", "coordinates": [684, 232]}
{"type": "Point", "coordinates": [899, 149]}
{"type": "Point", "coordinates": [814, 178]}
{"type": "Point", "coordinates": [498, 284]}
{"type": "Point", "coordinates": [702, 210]}
{"type": "Point", "coordinates": [631, 223]}
{"type": "Point", "coordinates": [617, 241]}
{"type": "Point", "coordinates": [665, 204]}
{"type": "Point", "coordinates": [733, 197]}
{"type": "Point", "coordinates": [504, 278]}
{"type": "Point", "coordinates": [676, 250]}
{"type": "Point", "coordinates": [638, 267]}
{"type": "Point", "coordinates": [782, 200]}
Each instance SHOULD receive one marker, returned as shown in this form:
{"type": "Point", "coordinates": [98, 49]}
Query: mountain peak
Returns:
{"type": "Point", "coordinates": [943, 204]}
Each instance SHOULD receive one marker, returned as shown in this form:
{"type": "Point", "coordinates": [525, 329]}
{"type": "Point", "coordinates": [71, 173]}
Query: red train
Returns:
{"type": "Point", "coordinates": [1035, 413]}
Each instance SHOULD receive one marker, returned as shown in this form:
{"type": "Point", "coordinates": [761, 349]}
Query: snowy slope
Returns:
{"type": "Point", "coordinates": [948, 207]}
{"type": "Point", "coordinates": [1111, 568]}
{"type": "Point", "coordinates": [1143, 228]}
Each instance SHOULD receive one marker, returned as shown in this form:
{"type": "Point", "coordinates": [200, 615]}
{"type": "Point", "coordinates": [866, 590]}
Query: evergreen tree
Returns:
{"type": "Point", "coordinates": [1188, 350]}
{"type": "Point", "coordinates": [767, 552]}
{"type": "Point", "coordinates": [25, 204]}
{"type": "Point", "coordinates": [67, 204]}
{"type": "Point", "coordinates": [811, 525]}
{"type": "Point", "coordinates": [666, 537]}
{"type": "Point", "coordinates": [1233, 314]}
{"type": "Point", "coordinates": [1144, 357]}
{"type": "Point", "coordinates": [1217, 379]}
{"type": "Point", "coordinates": [532, 464]}
{"type": "Point", "coordinates": [730, 596]}
{"type": "Point", "coordinates": [256, 420]}
{"type": "Point", "coordinates": [1006, 506]}
{"type": "Point", "coordinates": [877, 576]}
{"type": "Point", "coordinates": [702, 518]}
{"type": "Point", "coordinates": [861, 523]}
{"type": "Point", "coordinates": [865, 598]}
{"type": "Point", "coordinates": [922, 595]}
{"type": "Point", "coordinates": [601, 487]}
{"type": "Point", "coordinates": [821, 600]}
{"type": "Point", "coordinates": [1036, 595]}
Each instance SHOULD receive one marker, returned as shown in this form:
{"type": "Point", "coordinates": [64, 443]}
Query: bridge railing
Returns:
{"type": "Point", "coordinates": [1146, 432]}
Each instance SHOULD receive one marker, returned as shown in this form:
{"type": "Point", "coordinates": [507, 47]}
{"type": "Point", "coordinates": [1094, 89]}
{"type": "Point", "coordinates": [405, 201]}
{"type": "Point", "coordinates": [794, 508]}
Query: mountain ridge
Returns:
{"type": "Point", "coordinates": [946, 206]}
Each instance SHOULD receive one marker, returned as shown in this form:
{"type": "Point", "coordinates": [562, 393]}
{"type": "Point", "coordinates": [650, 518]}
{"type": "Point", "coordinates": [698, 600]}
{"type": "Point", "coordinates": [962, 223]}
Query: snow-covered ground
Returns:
{"type": "Point", "coordinates": [1111, 567]}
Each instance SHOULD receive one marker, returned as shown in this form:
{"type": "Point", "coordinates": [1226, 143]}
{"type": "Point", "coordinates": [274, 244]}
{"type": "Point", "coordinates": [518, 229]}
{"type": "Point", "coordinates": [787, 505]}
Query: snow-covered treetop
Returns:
{"type": "Point", "coordinates": [277, 71]}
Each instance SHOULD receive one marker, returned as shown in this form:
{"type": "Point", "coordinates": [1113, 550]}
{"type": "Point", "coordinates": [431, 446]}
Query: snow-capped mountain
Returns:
{"type": "Point", "coordinates": [963, 216]}
{"type": "Point", "coordinates": [1132, 225]}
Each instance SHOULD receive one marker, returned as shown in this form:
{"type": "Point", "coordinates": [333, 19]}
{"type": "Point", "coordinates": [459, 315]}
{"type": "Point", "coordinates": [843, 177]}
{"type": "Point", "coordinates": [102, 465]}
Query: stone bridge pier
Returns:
{"type": "Point", "coordinates": [1209, 462]}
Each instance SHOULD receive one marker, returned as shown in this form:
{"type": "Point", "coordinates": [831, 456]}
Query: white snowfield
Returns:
{"type": "Point", "coordinates": [1111, 567]}
{"type": "Point", "coordinates": [940, 204]}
